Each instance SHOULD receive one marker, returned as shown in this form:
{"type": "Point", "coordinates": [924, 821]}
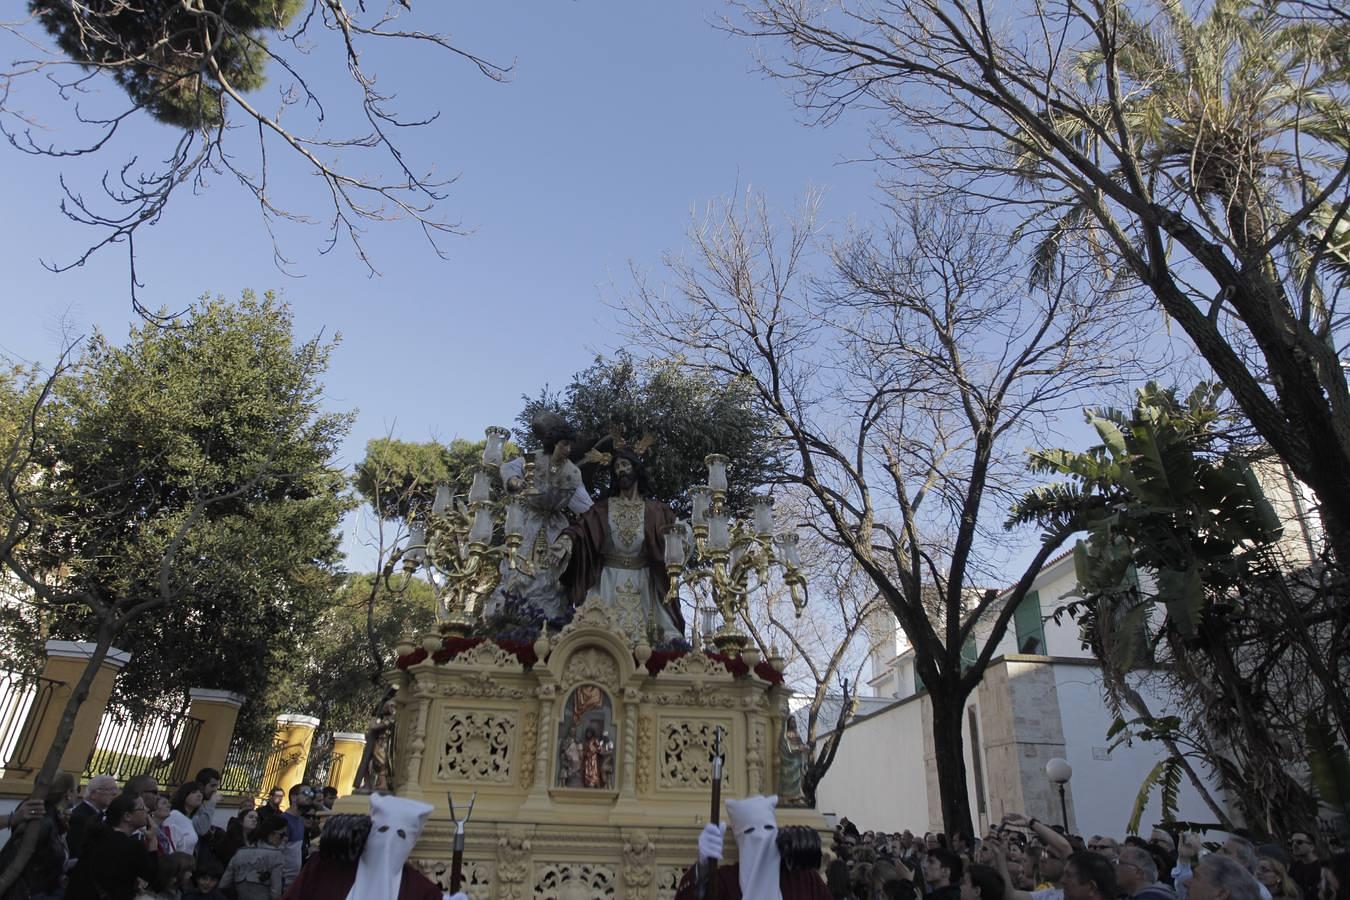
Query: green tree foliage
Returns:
{"type": "Point", "coordinates": [171, 58]}
{"type": "Point", "coordinates": [340, 682]}
{"type": "Point", "coordinates": [1245, 635]}
{"type": "Point", "coordinates": [1156, 495]}
{"type": "Point", "coordinates": [689, 414]}
{"type": "Point", "coordinates": [396, 476]}
{"type": "Point", "coordinates": [190, 471]}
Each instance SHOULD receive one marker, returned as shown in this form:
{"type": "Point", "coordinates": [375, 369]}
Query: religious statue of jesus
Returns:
{"type": "Point", "coordinates": [616, 549]}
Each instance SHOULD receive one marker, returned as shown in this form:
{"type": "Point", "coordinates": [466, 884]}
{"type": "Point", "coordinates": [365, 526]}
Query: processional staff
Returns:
{"type": "Point", "coordinates": [715, 817]}
{"type": "Point", "coordinates": [457, 859]}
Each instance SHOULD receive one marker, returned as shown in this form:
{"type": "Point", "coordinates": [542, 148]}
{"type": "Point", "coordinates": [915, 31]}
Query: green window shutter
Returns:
{"type": "Point", "coordinates": [918, 680]}
{"type": "Point", "coordinates": [1028, 625]}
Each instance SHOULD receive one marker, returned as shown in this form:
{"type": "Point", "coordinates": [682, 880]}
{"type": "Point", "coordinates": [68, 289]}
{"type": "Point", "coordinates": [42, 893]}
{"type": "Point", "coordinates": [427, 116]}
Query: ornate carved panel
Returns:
{"type": "Point", "coordinates": [639, 855]}
{"type": "Point", "coordinates": [529, 735]}
{"type": "Point", "coordinates": [668, 881]}
{"type": "Point", "coordinates": [591, 665]}
{"type": "Point", "coordinates": [645, 750]}
{"type": "Point", "coordinates": [755, 758]}
{"type": "Point", "coordinates": [477, 876]}
{"type": "Point", "coordinates": [696, 663]}
{"type": "Point", "coordinates": [573, 881]}
{"type": "Point", "coordinates": [478, 746]}
{"type": "Point", "coordinates": [488, 654]}
{"type": "Point", "coordinates": [513, 864]}
{"type": "Point", "coordinates": [476, 684]}
{"type": "Point", "coordinates": [685, 760]}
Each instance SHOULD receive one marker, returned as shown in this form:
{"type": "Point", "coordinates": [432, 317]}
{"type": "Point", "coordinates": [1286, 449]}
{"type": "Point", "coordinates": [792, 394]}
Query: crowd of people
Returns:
{"type": "Point", "coordinates": [134, 842]}
{"type": "Point", "coordinates": [1027, 859]}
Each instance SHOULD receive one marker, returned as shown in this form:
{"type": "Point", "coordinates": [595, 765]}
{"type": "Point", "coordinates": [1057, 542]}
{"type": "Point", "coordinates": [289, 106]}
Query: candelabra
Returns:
{"type": "Point", "coordinates": [721, 553]}
{"type": "Point", "coordinates": [452, 540]}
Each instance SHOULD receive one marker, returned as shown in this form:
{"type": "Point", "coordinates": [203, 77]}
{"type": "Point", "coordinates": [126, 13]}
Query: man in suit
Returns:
{"type": "Point", "coordinates": [98, 793]}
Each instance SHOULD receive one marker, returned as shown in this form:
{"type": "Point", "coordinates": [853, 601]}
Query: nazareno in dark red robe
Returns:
{"type": "Point", "coordinates": [802, 884]}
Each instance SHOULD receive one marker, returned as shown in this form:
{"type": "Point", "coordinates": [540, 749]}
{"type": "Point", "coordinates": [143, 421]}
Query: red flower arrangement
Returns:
{"type": "Point", "coordinates": [454, 646]}
{"type": "Point", "coordinates": [737, 666]}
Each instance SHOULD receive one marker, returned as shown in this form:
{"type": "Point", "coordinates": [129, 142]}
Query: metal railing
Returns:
{"type": "Point", "coordinates": [24, 699]}
{"type": "Point", "coordinates": [250, 769]}
{"type": "Point", "coordinates": [159, 743]}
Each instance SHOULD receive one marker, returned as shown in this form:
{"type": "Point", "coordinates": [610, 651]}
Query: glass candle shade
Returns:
{"type": "Point", "coordinates": [676, 551]}
{"type": "Point", "coordinates": [764, 516]}
{"type": "Point", "coordinates": [495, 448]}
{"type": "Point", "coordinates": [702, 499]}
{"type": "Point", "coordinates": [717, 472]}
{"type": "Point", "coordinates": [482, 487]}
{"type": "Point", "coordinates": [481, 530]}
{"type": "Point", "coordinates": [718, 536]}
{"type": "Point", "coordinates": [515, 518]}
{"type": "Point", "coordinates": [417, 544]}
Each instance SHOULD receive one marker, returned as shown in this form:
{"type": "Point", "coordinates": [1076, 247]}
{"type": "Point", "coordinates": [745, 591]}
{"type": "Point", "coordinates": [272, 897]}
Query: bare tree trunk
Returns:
{"type": "Point", "coordinates": [58, 748]}
{"type": "Point", "coordinates": [950, 759]}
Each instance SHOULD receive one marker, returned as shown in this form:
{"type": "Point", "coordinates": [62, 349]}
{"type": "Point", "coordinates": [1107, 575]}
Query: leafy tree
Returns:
{"type": "Point", "coordinates": [396, 476]}
{"type": "Point", "coordinates": [177, 495]}
{"type": "Point", "coordinates": [1244, 636]}
{"type": "Point", "coordinates": [202, 69]}
{"type": "Point", "coordinates": [165, 56]}
{"type": "Point", "coordinates": [689, 412]}
{"type": "Point", "coordinates": [339, 684]}
{"type": "Point", "coordinates": [1199, 150]}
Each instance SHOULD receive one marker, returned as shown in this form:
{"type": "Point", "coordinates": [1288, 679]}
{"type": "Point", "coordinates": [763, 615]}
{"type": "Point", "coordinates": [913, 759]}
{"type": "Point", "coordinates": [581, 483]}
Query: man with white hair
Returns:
{"type": "Point", "coordinates": [98, 793]}
{"type": "Point", "coordinates": [1220, 877]}
{"type": "Point", "coordinates": [1236, 849]}
{"type": "Point", "coordinates": [1137, 876]}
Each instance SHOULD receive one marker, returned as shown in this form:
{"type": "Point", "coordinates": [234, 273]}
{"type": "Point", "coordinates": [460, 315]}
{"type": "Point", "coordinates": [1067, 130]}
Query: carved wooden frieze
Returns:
{"type": "Point", "coordinates": [685, 756]}
{"type": "Point", "coordinates": [477, 746]}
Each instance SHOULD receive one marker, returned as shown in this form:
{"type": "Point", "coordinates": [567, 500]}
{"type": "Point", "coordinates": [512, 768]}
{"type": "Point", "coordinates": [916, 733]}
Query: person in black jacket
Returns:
{"type": "Point", "coordinates": [98, 793]}
{"type": "Point", "coordinates": [113, 857]}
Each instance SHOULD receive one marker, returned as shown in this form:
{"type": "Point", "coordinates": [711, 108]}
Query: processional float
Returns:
{"type": "Point", "coordinates": [591, 750]}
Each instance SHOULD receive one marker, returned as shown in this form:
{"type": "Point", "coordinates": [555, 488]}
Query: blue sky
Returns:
{"type": "Point", "coordinates": [618, 121]}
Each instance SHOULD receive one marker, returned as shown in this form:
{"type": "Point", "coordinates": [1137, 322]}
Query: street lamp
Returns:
{"type": "Point", "coordinates": [1059, 772]}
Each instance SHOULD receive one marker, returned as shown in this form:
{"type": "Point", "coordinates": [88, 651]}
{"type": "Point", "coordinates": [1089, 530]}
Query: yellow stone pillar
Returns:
{"type": "Point", "coordinates": [290, 753]}
{"type": "Point", "coordinates": [348, 748]}
{"type": "Point", "coordinates": [218, 711]}
{"type": "Point", "coordinates": [66, 661]}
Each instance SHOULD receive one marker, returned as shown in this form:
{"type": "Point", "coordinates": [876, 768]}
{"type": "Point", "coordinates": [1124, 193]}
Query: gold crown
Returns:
{"type": "Point", "coordinates": [618, 442]}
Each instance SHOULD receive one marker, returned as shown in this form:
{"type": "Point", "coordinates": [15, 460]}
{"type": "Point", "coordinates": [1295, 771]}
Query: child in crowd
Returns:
{"type": "Point", "coordinates": [204, 883]}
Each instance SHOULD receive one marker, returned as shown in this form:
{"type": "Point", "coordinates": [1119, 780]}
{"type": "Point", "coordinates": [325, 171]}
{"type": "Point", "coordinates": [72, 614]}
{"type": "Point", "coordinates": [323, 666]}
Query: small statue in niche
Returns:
{"type": "Point", "coordinates": [592, 771]}
{"type": "Point", "coordinates": [375, 773]}
{"type": "Point", "coordinates": [569, 762]}
{"type": "Point", "coordinates": [790, 764]}
{"type": "Point", "coordinates": [585, 750]}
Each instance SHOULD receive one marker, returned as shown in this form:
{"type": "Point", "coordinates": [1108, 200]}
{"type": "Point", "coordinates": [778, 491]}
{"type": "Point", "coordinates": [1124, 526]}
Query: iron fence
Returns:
{"type": "Point", "coordinates": [250, 768]}
{"type": "Point", "coordinates": [159, 743]}
{"type": "Point", "coordinates": [24, 699]}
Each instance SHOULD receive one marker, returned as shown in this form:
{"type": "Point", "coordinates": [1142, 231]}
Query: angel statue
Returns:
{"type": "Point", "coordinates": [548, 487]}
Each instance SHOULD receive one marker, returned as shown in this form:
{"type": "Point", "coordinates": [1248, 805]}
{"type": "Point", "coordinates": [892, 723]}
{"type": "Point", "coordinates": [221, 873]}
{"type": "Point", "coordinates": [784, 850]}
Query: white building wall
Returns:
{"type": "Point", "coordinates": [1107, 784]}
{"type": "Point", "coordinates": [879, 778]}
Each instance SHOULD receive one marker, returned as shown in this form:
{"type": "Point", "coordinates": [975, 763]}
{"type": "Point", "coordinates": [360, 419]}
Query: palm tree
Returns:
{"type": "Point", "coordinates": [1210, 108]}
